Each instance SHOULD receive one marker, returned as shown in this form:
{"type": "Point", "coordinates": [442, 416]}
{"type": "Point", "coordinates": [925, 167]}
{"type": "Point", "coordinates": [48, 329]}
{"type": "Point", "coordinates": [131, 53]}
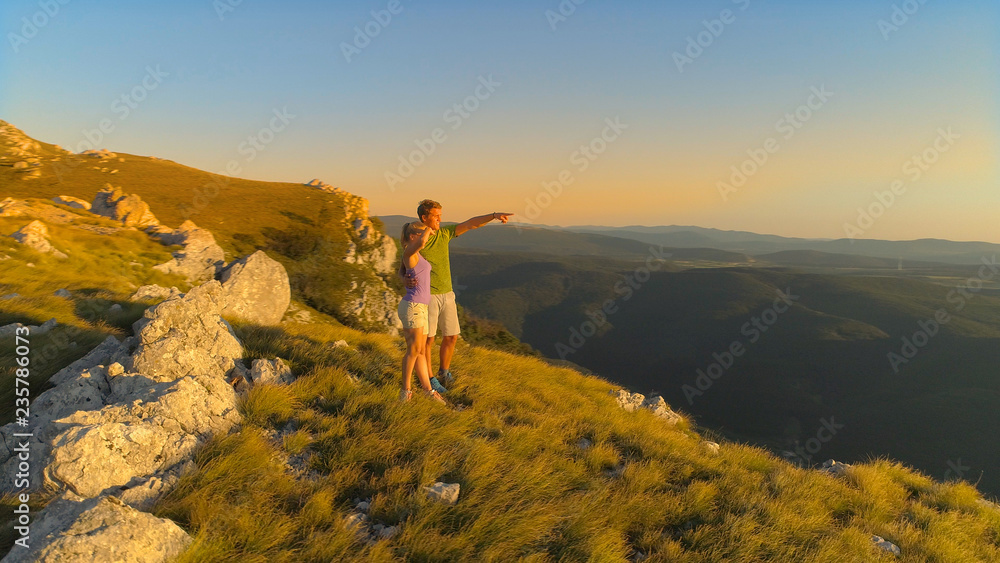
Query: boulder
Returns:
{"type": "Point", "coordinates": [631, 402]}
{"type": "Point", "coordinates": [200, 259]}
{"type": "Point", "coordinates": [87, 390]}
{"type": "Point", "coordinates": [99, 530]}
{"type": "Point", "coordinates": [102, 154]}
{"type": "Point", "coordinates": [185, 335]}
{"type": "Point", "coordinates": [712, 447]}
{"type": "Point", "coordinates": [271, 372]}
{"type": "Point", "coordinates": [36, 235]}
{"type": "Point", "coordinates": [11, 207]}
{"type": "Point", "coordinates": [71, 201]}
{"type": "Point", "coordinates": [659, 407]}
{"type": "Point", "coordinates": [115, 204]}
{"type": "Point", "coordinates": [141, 434]}
{"type": "Point", "coordinates": [443, 492]}
{"type": "Point", "coordinates": [63, 292]}
{"type": "Point", "coordinates": [835, 468]}
{"type": "Point", "coordinates": [33, 330]}
{"type": "Point", "coordinates": [886, 546]}
{"type": "Point", "coordinates": [255, 288]}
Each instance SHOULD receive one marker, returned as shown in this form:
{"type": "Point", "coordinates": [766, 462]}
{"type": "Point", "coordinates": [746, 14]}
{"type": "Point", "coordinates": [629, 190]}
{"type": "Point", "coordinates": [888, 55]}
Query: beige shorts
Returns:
{"type": "Point", "coordinates": [443, 315]}
{"type": "Point", "coordinates": [412, 315]}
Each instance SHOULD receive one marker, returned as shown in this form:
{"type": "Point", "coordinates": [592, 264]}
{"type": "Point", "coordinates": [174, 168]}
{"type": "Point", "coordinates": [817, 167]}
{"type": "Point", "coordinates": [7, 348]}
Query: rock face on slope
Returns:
{"type": "Point", "coordinates": [185, 335]}
{"type": "Point", "coordinates": [36, 235]}
{"type": "Point", "coordinates": [200, 259]}
{"type": "Point", "coordinates": [372, 247]}
{"type": "Point", "coordinates": [113, 203]}
{"type": "Point", "coordinates": [121, 424]}
{"type": "Point", "coordinates": [100, 530]}
{"type": "Point", "coordinates": [632, 402]}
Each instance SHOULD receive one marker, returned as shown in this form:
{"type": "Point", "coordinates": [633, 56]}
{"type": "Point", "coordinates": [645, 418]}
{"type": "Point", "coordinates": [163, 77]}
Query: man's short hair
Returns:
{"type": "Point", "coordinates": [425, 208]}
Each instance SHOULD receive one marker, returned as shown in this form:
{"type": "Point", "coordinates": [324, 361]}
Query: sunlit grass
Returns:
{"type": "Point", "coordinates": [529, 492]}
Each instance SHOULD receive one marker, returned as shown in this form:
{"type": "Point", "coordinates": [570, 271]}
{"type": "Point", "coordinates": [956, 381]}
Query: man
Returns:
{"type": "Point", "coordinates": [443, 312]}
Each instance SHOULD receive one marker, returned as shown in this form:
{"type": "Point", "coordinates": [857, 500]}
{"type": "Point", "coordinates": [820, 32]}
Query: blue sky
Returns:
{"type": "Point", "coordinates": [355, 120]}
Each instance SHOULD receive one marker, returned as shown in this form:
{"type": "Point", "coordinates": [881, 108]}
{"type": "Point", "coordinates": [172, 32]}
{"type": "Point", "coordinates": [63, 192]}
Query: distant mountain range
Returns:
{"type": "Point", "coordinates": [927, 250]}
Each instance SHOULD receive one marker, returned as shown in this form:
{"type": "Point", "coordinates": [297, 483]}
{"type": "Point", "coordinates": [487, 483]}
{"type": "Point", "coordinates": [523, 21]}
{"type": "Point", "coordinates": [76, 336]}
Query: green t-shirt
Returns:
{"type": "Point", "coordinates": [436, 252]}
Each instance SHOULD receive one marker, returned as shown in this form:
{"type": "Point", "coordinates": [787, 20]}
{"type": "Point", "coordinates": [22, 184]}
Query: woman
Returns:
{"type": "Point", "coordinates": [413, 309]}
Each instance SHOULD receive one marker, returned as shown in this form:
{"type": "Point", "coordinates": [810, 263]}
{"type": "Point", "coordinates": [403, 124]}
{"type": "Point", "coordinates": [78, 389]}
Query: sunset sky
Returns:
{"type": "Point", "coordinates": [547, 85]}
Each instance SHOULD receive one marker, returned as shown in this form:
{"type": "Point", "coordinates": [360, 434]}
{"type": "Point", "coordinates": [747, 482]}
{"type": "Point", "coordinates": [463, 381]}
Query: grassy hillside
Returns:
{"type": "Point", "coordinates": [306, 229]}
{"type": "Point", "coordinates": [529, 491]}
{"type": "Point", "coordinates": [826, 356]}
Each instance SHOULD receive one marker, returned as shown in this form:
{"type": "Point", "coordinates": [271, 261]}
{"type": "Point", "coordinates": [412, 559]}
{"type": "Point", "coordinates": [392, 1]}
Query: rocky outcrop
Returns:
{"type": "Point", "coordinates": [370, 246]}
{"type": "Point", "coordinates": [835, 468]}
{"type": "Point", "coordinates": [375, 304]}
{"type": "Point", "coordinates": [185, 335]}
{"type": "Point", "coordinates": [200, 259]}
{"type": "Point", "coordinates": [129, 209]}
{"type": "Point", "coordinates": [632, 402]}
{"type": "Point", "coordinates": [143, 432]}
{"type": "Point", "coordinates": [72, 202]}
{"type": "Point", "coordinates": [255, 288]}
{"type": "Point", "coordinates": [11, 207]}
{"type": "Point", "coordinates": [154, 292]}
{"type": "Point", "coordinates": [102, 154]}
{"type": "Point", "coordinates": [321, 185]}
{"type": "Point", "coordinates": [100, 530]}
{"type": "Point", "coordinates": [35, 235]}
{"type": "Point", "coordinates": [122, 423]}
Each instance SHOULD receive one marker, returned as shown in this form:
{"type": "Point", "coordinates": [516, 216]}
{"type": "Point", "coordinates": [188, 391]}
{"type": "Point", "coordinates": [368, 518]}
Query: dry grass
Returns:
{"type": "Point", "coordinates": [528, 491]}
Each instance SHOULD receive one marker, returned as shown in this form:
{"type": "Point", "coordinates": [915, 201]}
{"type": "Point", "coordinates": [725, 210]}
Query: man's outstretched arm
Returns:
{"type": "Point", "coordinates": [477, 222]}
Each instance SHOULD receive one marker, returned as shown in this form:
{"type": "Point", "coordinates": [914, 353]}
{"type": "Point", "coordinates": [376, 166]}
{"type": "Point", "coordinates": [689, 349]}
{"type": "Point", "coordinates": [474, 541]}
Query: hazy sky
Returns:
{"type": "Point", "coordinates": [922, 85]}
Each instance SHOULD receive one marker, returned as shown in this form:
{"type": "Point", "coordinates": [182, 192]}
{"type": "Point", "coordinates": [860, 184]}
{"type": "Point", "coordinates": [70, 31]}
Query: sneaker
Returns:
{"type": "Point", "coordinates": [405, 395]}
{"type": "Point", "coordinates": [448, 377]}
{"type": "Point", "coordinates": [432, 394]}
{"type": "Point", "coordinates": [436, 385]}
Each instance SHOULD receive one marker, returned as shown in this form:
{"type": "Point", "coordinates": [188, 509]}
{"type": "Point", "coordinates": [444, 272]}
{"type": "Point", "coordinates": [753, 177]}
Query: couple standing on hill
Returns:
{"type": "Point", "coordinates": [429, 303]}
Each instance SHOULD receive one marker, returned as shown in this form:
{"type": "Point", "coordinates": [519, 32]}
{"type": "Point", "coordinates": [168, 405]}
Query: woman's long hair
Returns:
{"type": "Point", "coordinates": [409, 230]}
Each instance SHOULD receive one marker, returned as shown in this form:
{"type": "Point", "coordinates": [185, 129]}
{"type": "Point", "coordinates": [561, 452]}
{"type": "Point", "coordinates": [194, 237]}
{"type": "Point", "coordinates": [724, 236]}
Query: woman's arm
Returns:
{"type": "Point", "coordinates": [415, 245]}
